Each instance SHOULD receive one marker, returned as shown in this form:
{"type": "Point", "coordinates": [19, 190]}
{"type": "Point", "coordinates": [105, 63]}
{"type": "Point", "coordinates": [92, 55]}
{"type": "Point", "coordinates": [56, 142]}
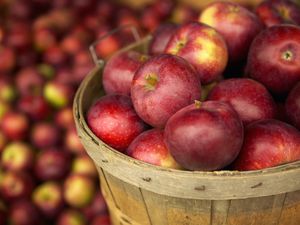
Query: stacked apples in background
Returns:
{"type": "Point", "coordinates": [219, 92]}
{"type": "Point", "coordinates": [45, 174]}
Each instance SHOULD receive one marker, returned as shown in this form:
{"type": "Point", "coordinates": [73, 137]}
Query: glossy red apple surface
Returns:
{"type": "Point", "coordinates": [163, 85]}
{"type": "Point", "coordinates": [204, 136]}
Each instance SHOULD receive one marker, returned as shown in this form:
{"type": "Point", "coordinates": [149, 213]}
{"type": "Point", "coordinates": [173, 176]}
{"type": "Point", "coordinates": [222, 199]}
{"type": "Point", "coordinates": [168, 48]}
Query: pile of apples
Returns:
{"type": "Point", "coordinates": [45, 175]}
{"type": "Point", "coordinates": [219, 92]}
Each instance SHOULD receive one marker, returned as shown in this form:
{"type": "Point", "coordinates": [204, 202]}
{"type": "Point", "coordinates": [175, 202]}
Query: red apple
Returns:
{"type": "Point", "coordinates": [160, 38]}
{"type": "Point", "coordinates": [15, 125]}
{"type": "Point", "coordinates": [17, 156]}
{"type": "Point", "coordinates": [204, 136]}
{"type": "Point", "coordinates": [48, 197]}
{"type": "Point", "coordinates": [235, 23]}
{"type": "Point", "coordinates": [3, 141]}
{"type": "Point", "coordinates": [101, 220]}
{"type": "Point", "coordinates": [119, 70]}
{"type": "Point", "coordinates": [71, 44]}
{"type": "Point", "coordinates": [273, 58]}
{"type": "Point", "coordinates": [163, 85]}
{"type": "Point", "coordinates": [16, 185]}
{"type": "Point", "coordinates": [45, 135]}
{"type": "Point", "coordinates": [19, 36]}
{"type": "Point", "coordinates": [275, 12]}
{"type": "Point", "coordinates": [97, 207]}
{"type": "Point", "coordinates": [268, 143]}
{"type": "Point", "coordinates": [55, 56]}
{"type": "Point", "coordinates": [34, 106]}
{"type": "Point", "coordinates": [149, 147]}
{"type": "Point", "coordinates": [64, 118]}
{"type": "Point", "coordinates": [203, 47]}
{"type": "Point", "coordinates": [43, 39]}
{"type": "Point", "coordinates": [73, 190]}
{"type": "Point", "coordinates": [292, 106]}
{"type": "Point", "coordinates": [83, 164]}
{"type": "Point", "coordinates": [52, 164]}
{"type": "Point", "coordinates": [113, 119]}
{"type": "Point", "coordinates": [7, 59]}
{"type": "Point", "coordinates": [24, 213]}
{"type": "Point", "coordinates": [71, 217]}
{"type": "Point", "coordinates": [29, 81]}
{"type": "Point", "coordinates": [249, 98]}
{"type": "Point", "coordinates": [72, 141]}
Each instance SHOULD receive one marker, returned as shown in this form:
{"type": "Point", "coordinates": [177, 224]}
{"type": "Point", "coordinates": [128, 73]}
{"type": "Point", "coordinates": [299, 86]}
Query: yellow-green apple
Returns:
{"type": "Point", "coordinates": [149, 147]}
{"type": "Point", "coordinates": [274, 12]}
{"type": "Point", "coordinates": [15, 125]}
{"type": "Point", "coordinates": [8, 92]}
{"type": "Point", "coordinates": [163, 85]}
{"type": "Point", "coordinates": [249, 98]}
{"type": "Point", "coordinates": [204, 136]}
{"type": "Point", "coordinates": [113, 119]}
{"type": "Point", "coordinates": [119, 70]}
{"type": "Point", "coordinates": [237, 24]}
{"type": "Point", "coordinates": [73, 192]}
{"type": "Point", "coordinates": [292, 106]}
{"type": "Point", "coordinates": [17, 156]}
{"type": "Point", "coordinates": [52, 164]}
{"type": "Point", "coordinates": [160, 38]}
{"type": "Point", "coordinates": [45, 135]}
{"type": "Point", "coordinates": [24, 212]}
{"type": "Point", "coordinates": [274, 58]}
{"type": "Point", "coordinates": [83, 164]}
{"type": "Point", "coordinates": [268, 143]}
{"type": "Point", "coordinates": [48, 198]}
{"type": "Point", "coordinates": [16, 185]}
{"type": "Point", "coordinates": [203, 47]}
{"type": "Point", "coordinates": [71, 217]}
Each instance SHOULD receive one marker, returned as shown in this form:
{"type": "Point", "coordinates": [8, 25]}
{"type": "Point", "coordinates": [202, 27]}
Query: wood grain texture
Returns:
{"type": "Point", "coordinates": [141, 194]}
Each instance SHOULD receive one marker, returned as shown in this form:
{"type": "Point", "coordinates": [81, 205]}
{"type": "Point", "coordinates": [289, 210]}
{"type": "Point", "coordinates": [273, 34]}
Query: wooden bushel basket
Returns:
{"type": "Point", "coordinates": [138, 193]}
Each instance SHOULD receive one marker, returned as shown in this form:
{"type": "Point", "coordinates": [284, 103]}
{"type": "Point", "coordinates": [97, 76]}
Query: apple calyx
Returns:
{"type": "Point", "coordinates": [151, 82]}
{"type": "Point", "coordinates": [197, 104]}
{"type": "Point", "coordinates": [143, 58]}
{"type": "Point", "coordinates": [287, 55]}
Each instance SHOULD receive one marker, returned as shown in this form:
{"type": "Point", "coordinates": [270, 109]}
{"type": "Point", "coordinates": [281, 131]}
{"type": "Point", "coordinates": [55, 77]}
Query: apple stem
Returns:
{"type": "Point", "coordinates": [151, 81]}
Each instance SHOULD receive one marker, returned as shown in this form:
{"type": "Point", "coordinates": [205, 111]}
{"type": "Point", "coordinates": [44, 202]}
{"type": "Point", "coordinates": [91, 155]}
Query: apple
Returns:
{"type": "Point", "coordinates": [7, 59]}
{"type": "Point", "coordinates": [52, 164]}
{"type": "Point", "coordinates": [275, 12]}
{"type": "Point", "coordinates": [16, 185]}
{"type": "Point", "coordinates": [163, 85]}
{"type": "Point", "coordinates": [46, 70]}
{"type": "Point", "coordinates": [268, 143]}
{"type": "Point", "coordinates": [20, 10]}
{"type": "Point", "coordinates": [48, 197]}
{"type": "Point", "coordinates": [184, 13]}
{"type": "Point", "coordinates": [23, 213]}
{"type": "Point", "coordinates": [3, 141]}
{"type": "Point", "coordinates": [72, 142]}
{"type": "Point", "coordinates": [119, 70]}
{"type": "Point", "coordinates": [150, 147]}
{"type": "Point", "coordinates": [83, 164]}
{"type": "Point", "coordinates": [160, 38]}
{"type": "Point", "coordinates": [57, 94]}
{"type": "Point", "coordinates": [71, 44]}
{"type": "Point", "coordinates": [29, 81]}
{"type": "Point", "coordinates": [64, 118]}
{"type": "Point", "coordinates": [101, 219]}
{"type": "Point", "coordinates": [8, 93]}
{"type": "Point", "coordinates": [96, 207]}
{"type": "Point", "coordinates": [150, 19]}
{"type": "Point", "coordinates": [273, 58]}
{"type": "Point", "coordinates": [34, 106]}
{"type": "Point", "coordinates": [292, 106]}
{"type": "Point", "coordinates": [73, 192]}
{"type": "Point", "coordinates": [113, 119]}
{"type": "Point", "coordinates": [17, 156]}
{"type": "Point", "coordinates": [235, 23]}
{"type": "Point", "coordinates": [44, 38]}
{"type": "Point", "coordinates": [55, 56]}
{"type": "Point", "coordinates": [203, 47]}
{"type": "Point", "coordinates": [249, 98]}
{"type": "Point", "coordinates": [71, 217]}
{"type": "Point", "coordinates": [45, 135]}
{"type": "Point", "coordinates": [15, 125]}
{"type": "Point", "coordinates": [163, 8]}
{"type": "Point", "coordinates": [19, 36]}
{"type": "Point", "coordinates": [204, 136]}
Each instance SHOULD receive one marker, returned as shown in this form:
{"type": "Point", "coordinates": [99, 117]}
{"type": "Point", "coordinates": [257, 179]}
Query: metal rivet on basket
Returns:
{"type": "Point", "coordinates": [147, 179]}
{"type": "Point", "coordinates": [200, 188]}
{"type": "Point", "coordinates": [257, 185]}
{"type": "Point", "coordinates": [125, 220]}
{"type": "Point", "coordinates": [104, 160]}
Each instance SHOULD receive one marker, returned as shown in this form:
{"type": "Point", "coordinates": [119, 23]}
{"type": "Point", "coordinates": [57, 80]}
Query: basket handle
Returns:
{"type": "Point", "coordinates": [99, 61]}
